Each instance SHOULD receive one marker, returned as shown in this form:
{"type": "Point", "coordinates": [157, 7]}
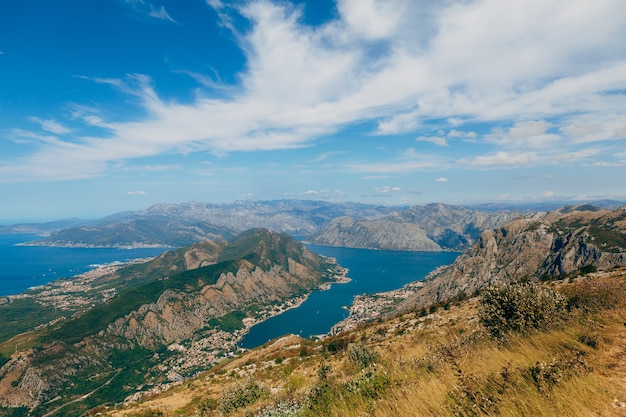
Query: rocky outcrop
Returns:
{"type": "Point", "coordinates": [388, 234]}
{"type": "Point", "coordinates": [555, 244]}
{"type": "Point", "coordinates": [434, 227]}
{"type": "Point", "coordinates": [176, 315]}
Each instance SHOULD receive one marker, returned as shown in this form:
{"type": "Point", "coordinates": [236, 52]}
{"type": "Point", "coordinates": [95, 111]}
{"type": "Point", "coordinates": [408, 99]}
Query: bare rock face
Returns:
{"type": "Point", "coordinates": [541, 246]}
{"type": "Point", "coordinates": [376, 234]}
{"type": "Point", "coordinates": [177, 315]}
{"type": "Point", "coordinates": [434, 227]}
{"type": "Point", "coordinates": [26, 382]}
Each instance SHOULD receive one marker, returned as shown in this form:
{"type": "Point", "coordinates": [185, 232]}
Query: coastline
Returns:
{"type": "Point", "coordinates": [366, 308]}
{"type": "Point", "coordinates": [65, 286]}
{"type": "Point", "coordinates": [41, 243]}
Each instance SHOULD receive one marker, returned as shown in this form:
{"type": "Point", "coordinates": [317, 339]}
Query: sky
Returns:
{"type": "Point", "coordinates": [112, 105]}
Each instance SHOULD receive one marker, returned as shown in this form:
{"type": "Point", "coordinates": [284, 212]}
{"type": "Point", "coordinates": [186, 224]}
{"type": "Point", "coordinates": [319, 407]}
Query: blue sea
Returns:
{"type": "Point", "coordinates": [22, 267]}
{"type": "Point", "coordinates": [371, 271]}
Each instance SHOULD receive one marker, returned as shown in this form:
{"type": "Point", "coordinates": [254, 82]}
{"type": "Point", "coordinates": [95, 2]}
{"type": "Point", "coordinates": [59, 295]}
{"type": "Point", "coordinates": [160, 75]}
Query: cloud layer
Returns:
{"type": "Point", "coordinates": [544, 80]}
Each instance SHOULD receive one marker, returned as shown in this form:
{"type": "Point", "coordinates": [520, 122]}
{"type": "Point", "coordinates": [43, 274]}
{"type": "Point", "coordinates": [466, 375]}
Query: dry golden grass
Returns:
{"type": "Point", "coordinates": [440, 365]}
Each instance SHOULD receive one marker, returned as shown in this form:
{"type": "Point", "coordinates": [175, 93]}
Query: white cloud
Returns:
{"type": "Point", "coordinates": [160, 13]}
{"type": "Point", "coordinates": [500, 159]}
{"type": "Point", "coordinates": [386, 189]}
{"type": "Point", "coordinates": [595, 127]}
{"type": "Point", "coordinates": [559, 66]}
{"type": "Point", "coordinates": [51, 126]}
{"type": "Point", "coordinates": [371, 19]}
{"type": "Point", "coordinates": [137, 193]}
{"type": "Point", "coordinates": [147, 8]}
{"type": "Point", "coordinates": [441, 139]}
{"type": "Point", "coordinates": [435, 140]}
{"type": "Point", "coordinates": [325, 155]}
{"type": "Point", "coordinates": [463, 135]}
{"type": "Point", "coordinates": [322, 194]}
{"type": "Point", "coordinates": [441, 179]}
{"type": "Point", "coordinates": [531, 134]}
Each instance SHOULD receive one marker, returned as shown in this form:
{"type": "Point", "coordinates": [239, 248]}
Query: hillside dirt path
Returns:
{"type": "Point", "coordinates": [83, 397]}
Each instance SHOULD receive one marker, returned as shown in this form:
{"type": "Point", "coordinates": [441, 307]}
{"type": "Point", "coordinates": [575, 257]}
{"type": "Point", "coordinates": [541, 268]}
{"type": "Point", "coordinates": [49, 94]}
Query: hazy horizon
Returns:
{"type": "Point", "coordinates": [476, 204]}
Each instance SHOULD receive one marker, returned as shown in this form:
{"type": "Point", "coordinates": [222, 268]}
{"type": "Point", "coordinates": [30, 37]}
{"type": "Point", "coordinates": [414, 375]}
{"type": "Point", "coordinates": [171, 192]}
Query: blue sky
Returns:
{"type": "Point", "coordinates": [112, 105]}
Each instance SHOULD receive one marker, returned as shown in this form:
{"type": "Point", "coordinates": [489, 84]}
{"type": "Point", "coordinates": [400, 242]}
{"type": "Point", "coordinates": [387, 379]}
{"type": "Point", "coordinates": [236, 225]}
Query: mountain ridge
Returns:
{"type": "Point", "coordinates": [569, 241]}
{"type": "Point", "coordinates": [433, 227]}
{"type": "Point", "coordinates": [185, 312]}
{"type": "Point", "coordinates": [565, 241]}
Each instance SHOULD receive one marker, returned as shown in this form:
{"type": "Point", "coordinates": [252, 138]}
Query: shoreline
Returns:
{"type": "Point", "coordinates": [44, 244]}
{"type": "Point", "coordinates": [340, 278]}
{"type": "Point", "coordinates": [96, 271]}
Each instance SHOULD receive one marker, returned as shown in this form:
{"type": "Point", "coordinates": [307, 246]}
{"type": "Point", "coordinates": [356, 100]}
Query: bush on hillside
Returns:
{"type": "Point", "coordinates": [520, 307]}
{"type": "Point", "coordinates": [241, 395]}
{"type": "Point", "coordinates": [361, 356]}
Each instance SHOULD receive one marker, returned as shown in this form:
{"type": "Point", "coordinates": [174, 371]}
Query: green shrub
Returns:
{"type": "Point", "coordinates": [589, 340]}
{"type": "Point", "coordinates": [361, 356]}
{"type": "Point", "coordinates": [241, 395]}
{"type": "Point", "coordinates": [287, 408]}
{"type": "Point", "coordinates": [14, 412]}
{"type": "Point", "coordinates": [545, 376]}
{"type": "Point", "coordinates": [322, 373]}
{"type": "Point", "coordinates": [336, 345]}
{"type": "Point", "coordinates": [520, 307]}
{"type": "Point", "coordinates": [368, 385]}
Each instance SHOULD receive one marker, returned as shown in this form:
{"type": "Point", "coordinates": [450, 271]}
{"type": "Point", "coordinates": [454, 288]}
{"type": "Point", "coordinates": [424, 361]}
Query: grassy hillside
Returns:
{"type": "Point", "coordinates": [571, 362]}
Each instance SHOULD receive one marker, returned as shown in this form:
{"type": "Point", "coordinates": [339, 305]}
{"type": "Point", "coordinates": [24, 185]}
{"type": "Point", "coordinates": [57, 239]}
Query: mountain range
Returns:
{"type": "Point", "coordinates": [104, 336]}
{"type": "Point", "coordinates": [434, 227]}
{"type": "Point", "coordinates": [570, 241]}
{"type": "Point", "coordinates": [176, 225]}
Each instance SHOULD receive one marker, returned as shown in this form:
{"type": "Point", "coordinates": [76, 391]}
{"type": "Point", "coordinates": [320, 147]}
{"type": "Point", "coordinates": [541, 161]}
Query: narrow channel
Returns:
{"type": "Point", "coordinates": [371, 271]}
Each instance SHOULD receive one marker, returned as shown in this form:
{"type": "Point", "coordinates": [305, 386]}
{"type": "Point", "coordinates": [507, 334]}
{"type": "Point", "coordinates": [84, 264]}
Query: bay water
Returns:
{"type": "Point", "coordinates": [22, 267]}
{"type": "Point", "coordinates": [371, 271]}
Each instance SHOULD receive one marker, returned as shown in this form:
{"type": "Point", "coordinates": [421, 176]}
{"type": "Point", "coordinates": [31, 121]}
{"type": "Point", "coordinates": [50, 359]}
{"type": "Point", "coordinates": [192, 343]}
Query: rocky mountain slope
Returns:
{"type": "Point", "coordinates": [569, 240]}
{"type": "Point", "coordinates": [296, 217]}
{"type": "Point", "coordinates": [433, 227]}
{"type": "Point", "coordinates": [162, 320]}
{"type": "Point", "coordinates": [177, 225]}
{"type": "Point", "coordinates": [565, 242]}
